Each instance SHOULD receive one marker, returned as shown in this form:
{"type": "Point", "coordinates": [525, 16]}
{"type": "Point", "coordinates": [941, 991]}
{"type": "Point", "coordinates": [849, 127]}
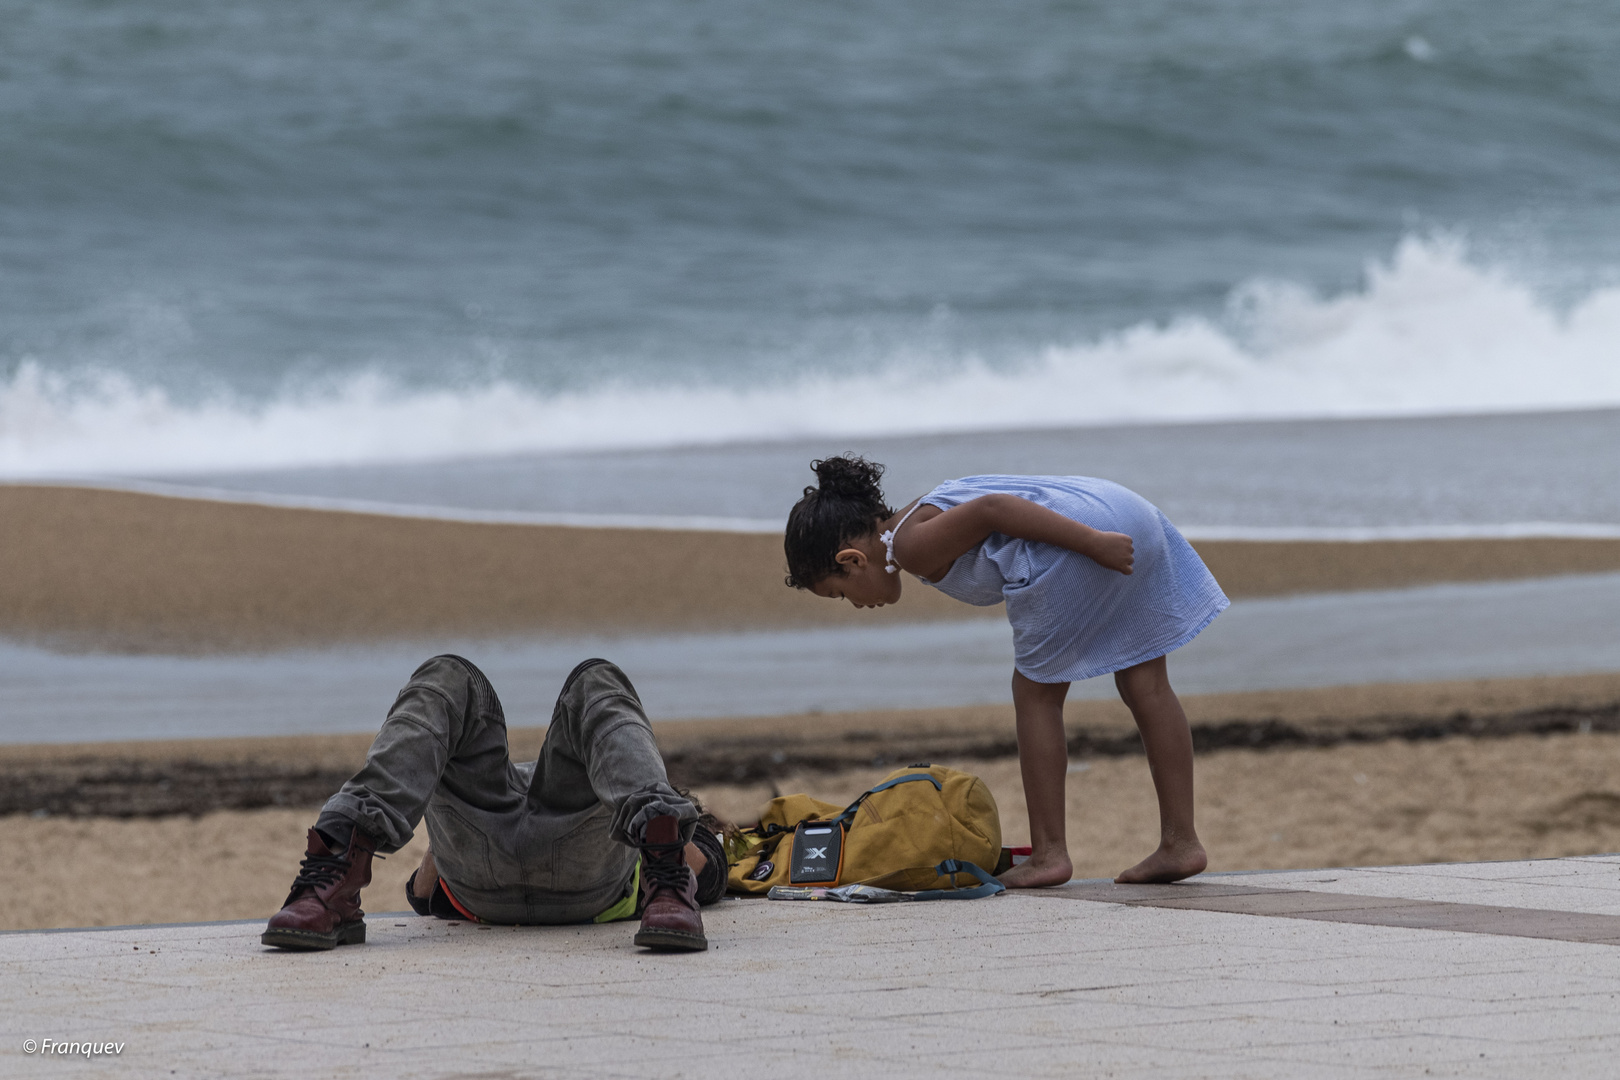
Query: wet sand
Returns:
{"type": "Point", "coordinates": [146, 573]}
{"type": "Point", "coordinates": [1374, 709]}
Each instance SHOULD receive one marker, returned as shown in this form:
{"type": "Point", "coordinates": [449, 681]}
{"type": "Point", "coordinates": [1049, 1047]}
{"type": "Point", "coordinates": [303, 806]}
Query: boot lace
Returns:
{"type": "Point", "coordinates": [316, 872]}
{"type": "Point", "coordinates": [664, 865]}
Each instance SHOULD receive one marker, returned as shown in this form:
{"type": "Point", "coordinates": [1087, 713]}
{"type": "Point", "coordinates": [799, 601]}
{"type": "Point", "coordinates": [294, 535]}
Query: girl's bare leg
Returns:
{"type": "Point", "coordinates": [1146, 690]}
{"type": "Point", "coordinates": [1043, 758]}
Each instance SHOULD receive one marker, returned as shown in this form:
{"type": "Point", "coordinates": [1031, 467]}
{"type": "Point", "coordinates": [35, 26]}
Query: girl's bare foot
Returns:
{"type": "Point", "coordinates": [1039, 871]}
{"type": "Point", "coordinates": [1171, 862]}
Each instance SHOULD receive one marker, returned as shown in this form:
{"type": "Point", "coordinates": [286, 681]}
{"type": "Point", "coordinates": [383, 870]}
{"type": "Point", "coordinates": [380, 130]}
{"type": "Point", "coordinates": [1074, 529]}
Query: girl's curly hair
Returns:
{"type": "Point", "coordinates": [846, 504]}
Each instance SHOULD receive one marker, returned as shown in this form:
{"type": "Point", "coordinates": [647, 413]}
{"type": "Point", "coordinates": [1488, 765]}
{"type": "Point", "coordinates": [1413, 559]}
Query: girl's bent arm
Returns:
{"type": "Point", "coordinates": [931, 544]}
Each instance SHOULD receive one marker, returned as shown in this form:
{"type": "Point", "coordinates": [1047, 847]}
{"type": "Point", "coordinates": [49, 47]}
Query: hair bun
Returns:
{"type": "Point", "coordinates": [848, 505]}
{"type": "Point", "coordinates": [850, 476]}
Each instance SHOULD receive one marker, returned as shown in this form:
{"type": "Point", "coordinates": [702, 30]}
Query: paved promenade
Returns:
{"type": "Point", "coordinates": [1469, 970]}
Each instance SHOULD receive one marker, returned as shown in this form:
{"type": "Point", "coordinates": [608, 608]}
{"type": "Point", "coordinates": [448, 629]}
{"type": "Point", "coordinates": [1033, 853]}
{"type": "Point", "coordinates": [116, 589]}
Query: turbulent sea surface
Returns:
{"type": "Point", "coordinates": [286, 235]}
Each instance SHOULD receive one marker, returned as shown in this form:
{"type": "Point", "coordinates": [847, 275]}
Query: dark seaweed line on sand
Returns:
{"type": "Point", "coordinates": [718, 763]}
{"type": "Point", "coordinates": [104, 787]}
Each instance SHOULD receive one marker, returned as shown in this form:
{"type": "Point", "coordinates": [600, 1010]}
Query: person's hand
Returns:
{"type": "Point", "coordinates": [1114, 551]}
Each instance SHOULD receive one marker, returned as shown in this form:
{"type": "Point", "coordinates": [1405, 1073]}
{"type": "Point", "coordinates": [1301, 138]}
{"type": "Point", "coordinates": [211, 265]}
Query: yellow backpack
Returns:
{"type": "Point", "coordinates": [918, 829]}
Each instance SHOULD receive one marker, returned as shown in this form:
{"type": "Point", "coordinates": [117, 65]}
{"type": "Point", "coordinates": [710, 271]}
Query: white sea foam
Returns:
{"type": "Point", "coordinates": [1428, 332]}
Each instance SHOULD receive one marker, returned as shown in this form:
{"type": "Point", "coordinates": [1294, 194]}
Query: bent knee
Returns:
{"type": "Point", "coordinates": [455, 680]}
{"type": "Point", "coordinates": [595, 677]}
{"type": "Point", "coordinates": [1143, 683]}
{"type": "Point", "coordinates": [448, 667]}
{"type": "Point", "coordinates": [1026, 687]}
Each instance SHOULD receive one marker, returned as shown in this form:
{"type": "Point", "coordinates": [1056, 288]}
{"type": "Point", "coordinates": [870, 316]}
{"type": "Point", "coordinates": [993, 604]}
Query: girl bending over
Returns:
{"type": "Point", "coordinates": [1096, 581]}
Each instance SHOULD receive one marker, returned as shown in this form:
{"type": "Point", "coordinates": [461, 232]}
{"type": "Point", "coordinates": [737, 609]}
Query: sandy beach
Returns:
{"type": "Point", "coordinates": [144, 573]}
{"type": "Point", "coordinates": [1371, 777]}
{"type": "Point", "coordinates": [166, 831]}
{"type": "Point", "coordinates": [1372, 804]}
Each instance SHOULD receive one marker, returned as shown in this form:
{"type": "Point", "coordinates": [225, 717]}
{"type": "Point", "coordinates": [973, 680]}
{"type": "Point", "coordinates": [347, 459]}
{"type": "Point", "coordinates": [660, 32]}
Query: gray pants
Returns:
{"type": "Point", "coordinates": [548, 841]}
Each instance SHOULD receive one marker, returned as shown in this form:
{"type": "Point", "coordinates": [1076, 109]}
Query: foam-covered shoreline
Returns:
{"type": "Point", "coordinates": [1429, 332]}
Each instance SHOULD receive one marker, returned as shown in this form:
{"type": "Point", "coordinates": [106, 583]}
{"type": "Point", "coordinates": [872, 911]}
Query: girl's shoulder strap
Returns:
{"type": "Point", "coordinates": [889, 565]}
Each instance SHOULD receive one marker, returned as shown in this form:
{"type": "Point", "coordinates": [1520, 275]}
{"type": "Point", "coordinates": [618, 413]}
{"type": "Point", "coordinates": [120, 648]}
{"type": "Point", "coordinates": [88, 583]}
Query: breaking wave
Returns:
{"type": "Point", "coordinates": [1429, 331]}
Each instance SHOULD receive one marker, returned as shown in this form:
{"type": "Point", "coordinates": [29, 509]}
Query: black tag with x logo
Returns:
{"type": "Point", "coordinates": [818, 853]}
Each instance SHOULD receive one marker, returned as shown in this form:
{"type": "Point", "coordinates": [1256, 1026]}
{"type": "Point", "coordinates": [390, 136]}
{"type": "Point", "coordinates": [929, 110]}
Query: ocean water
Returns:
{"type": "Point", "coordinates": [1496, 475]}
{"type": "Point", "coordinates": [272, 236]}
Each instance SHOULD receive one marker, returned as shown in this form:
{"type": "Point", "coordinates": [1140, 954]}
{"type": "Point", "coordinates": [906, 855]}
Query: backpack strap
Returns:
{"type": "Point", "coordinates": [988, 886]}
{"type": "Point", "coordinates": [905, 779]}
{"type": "Point", "coordinates": [853, 808]}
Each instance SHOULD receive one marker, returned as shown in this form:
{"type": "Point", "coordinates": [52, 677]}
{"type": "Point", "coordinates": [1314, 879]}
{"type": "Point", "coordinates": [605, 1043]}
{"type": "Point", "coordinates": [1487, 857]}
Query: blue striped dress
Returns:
{"type": "Point", "coordinates": [1072, 618]}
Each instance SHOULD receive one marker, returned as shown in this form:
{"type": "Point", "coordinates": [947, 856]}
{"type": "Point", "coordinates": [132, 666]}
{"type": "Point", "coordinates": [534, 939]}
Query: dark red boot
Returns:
{"type": "Point", "coordinates": [323, 909]}
{"type": "Point", "coordinates": [669, 907]}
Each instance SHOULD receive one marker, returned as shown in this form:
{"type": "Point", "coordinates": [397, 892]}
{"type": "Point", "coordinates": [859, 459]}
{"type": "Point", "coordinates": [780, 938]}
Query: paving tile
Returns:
{"type": "Point", "coordinates": [1485, 871]}
{"type": "Point", "coordinates": [1571, 1067]}
{"type": "Point", "coordinates": [1406, 1054]}
{"type": "Point", "coordinates": [1511, 919]}
{"type": "Point", "coordinates": [1520, 1026]}
{"type": "Point", "coordinates": [1602, 1004]}
{"type": "Point", "coordinates": [1361, 1008]}
{"type": "Point", "coordinates": [1213, 993]}
{"type": "Point", "coordinates": [1020, 985]}
{"type": "Point", "coordinates": [1426, 875]}
{"type": "Point", "coordinates": [1073, 1019]}
{"type": "Point", "coordinates": [1284, 903]}
{"type": "Point", "coordinates": [1107, 892]}
{"type": "Point", "coordinates": [1089, 1059]}
{"type": "Point", "coordinates": [1273, 1063]}
{"type": "Point", "coordinates": [1227, 1033]}
{"type": "Point", "coordinates": [1502, 993]}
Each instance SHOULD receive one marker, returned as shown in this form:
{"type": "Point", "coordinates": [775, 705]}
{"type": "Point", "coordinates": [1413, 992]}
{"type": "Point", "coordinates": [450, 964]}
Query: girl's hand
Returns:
{"type": "Point", "coordinates": [1113, 551]}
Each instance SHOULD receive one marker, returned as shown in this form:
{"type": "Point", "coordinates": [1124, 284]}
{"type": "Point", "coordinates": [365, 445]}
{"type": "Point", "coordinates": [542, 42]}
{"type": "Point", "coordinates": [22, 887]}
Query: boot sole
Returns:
{"type": "Point", "coordinates": [671, 941]}
{"type": "Point", "coordinates": [310, 941]}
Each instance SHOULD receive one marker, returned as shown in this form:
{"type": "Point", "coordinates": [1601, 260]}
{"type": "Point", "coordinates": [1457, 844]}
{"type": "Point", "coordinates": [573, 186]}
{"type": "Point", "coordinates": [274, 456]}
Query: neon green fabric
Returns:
{"type": "Point", "coordinates": [626, 907]}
